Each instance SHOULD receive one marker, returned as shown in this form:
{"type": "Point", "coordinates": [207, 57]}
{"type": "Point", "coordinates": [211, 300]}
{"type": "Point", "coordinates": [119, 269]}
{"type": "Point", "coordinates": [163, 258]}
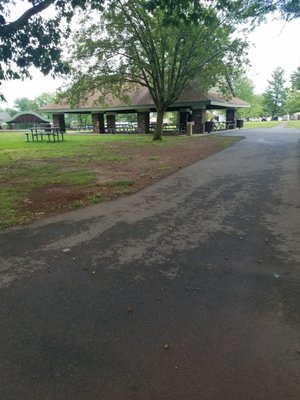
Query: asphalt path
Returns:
{"type": "Point", "coordinates": [189, 289]}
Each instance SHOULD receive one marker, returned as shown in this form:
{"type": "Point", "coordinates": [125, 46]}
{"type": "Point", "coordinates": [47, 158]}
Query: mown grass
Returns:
{"type": "Point", "coordinates": [294, 124]}
{"type": "Point", "coordinates": [25, 166]}
{"type": "Point", "coordinates": [260, 124]}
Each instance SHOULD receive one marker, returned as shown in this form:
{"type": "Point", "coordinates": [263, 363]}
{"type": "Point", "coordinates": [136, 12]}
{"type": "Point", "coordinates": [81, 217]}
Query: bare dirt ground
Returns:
{"type": "Point", "coordinates": [142, 167]}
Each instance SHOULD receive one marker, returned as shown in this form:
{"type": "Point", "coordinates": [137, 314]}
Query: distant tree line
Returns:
{"type": "Point", "coordinates": [278, 99]}
{"type": "Point", "coordinates": [25, 104]}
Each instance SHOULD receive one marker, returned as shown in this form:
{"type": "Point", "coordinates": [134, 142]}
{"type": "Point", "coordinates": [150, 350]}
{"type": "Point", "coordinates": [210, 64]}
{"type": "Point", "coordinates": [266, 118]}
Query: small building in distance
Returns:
{"type": "Point", "coordinates": [27, 119]}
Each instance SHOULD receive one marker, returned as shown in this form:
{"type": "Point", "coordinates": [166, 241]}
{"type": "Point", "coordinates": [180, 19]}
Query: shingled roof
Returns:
{"type": "Point", "coordinates": [141, 99]}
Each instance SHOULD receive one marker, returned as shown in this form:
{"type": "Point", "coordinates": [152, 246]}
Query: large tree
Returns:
{"type": "Point", "coordinates": [32, 39]}
{"type": "Point", "coordinates": [276, 93]}
{"type": "Point", "coordinates": [133, 44]}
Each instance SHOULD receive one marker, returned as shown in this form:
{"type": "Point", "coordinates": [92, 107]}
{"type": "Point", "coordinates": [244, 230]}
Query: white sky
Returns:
{"type": "Point", "coordinates": [275, 44]}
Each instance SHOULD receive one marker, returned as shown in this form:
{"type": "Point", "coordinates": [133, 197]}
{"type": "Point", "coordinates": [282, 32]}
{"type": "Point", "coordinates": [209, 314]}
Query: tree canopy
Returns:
{"type": "Point", "coordinates": [134, 44]}
{"type": "Point", "coordinates": [243, 88]}
{"type": "Point", "coordinates": [295, 79]}
{"type": "Point", "coordinates": [32, 39]}
{"type": "Point", "coordinates": [242, 9]}
{"type": "Point", "coordinates": [26, 104]}
{"type": "Point", "coordinates": [292, 104]}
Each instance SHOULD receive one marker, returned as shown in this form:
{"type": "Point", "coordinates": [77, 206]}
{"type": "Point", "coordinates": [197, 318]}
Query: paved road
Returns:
{"type": "Point", "coordinates": [204, 263]}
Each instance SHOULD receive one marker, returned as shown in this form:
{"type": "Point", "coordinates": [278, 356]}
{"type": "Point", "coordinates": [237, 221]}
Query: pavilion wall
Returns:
{"type": "Point", "coordinates": [59, 122]}
{"type": "Point", "coordinates": [143, 119]}
{"type": "Point", "coordinates": [231, 117]}
{"type": "Point", "coordinates": [98, 123]}
{"type": "Point", "coordinates": [199, 117]}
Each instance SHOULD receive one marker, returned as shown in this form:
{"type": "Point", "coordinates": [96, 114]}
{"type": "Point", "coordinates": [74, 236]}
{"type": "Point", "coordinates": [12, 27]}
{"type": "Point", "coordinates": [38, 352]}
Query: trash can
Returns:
{"type": "Point", "coordinates": [209, 126]}
{"type": "Point", "coordinates": [240, 123]}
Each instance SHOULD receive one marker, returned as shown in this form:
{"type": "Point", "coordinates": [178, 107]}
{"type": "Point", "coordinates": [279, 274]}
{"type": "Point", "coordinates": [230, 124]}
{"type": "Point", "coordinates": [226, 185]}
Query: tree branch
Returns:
{"type": "Point", "coordinates": [24, 18]}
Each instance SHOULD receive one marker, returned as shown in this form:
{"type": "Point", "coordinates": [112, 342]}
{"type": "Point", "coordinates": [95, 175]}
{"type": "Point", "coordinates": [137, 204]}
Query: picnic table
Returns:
{"type": "Point", "coordinates": [53, 135]}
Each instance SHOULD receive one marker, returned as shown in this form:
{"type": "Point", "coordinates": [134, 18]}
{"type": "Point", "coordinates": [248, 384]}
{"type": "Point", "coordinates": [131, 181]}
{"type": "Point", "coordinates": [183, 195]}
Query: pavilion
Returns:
{"type": "Point", "coordinates": [191, 106]}
{"type": "Point", "coordinates": [28, 118]}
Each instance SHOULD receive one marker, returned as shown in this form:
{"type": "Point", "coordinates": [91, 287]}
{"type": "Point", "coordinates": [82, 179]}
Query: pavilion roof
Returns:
{"type": "Point", "coordinates": [140, 99]}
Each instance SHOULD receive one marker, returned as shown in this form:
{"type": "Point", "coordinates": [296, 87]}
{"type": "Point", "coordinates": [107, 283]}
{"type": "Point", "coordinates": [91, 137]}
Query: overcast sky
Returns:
{"type": "Point", "coordinates": [275, 44]}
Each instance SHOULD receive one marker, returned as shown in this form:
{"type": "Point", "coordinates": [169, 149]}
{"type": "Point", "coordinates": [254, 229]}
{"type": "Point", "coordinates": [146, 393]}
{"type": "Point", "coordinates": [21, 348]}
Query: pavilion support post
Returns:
{"type": "Point", "coordinates": [182, 119]}
{"type": "Point", "coordinates": [59, 122]}
{"type": "Point", "coordinates": [199, 117]}
{"type": "Point", "coordinates": [98, 123]}
{"type": "Point", "coordinates": [111, 123]}
{"type": "Point", "coordinates": [143, 119]}
{"type": "Point", "coordinates": [231, 118]}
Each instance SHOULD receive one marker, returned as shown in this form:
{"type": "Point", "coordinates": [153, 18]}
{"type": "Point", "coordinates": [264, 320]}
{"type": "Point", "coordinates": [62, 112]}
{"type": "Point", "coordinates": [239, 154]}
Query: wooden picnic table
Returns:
{"type": "Point", "coordinates": [53, 135]}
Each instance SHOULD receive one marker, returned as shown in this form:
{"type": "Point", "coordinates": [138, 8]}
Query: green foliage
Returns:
{"type": "Point", "coordinates": [10, 111]}
{"type": "Point", "coordinates": [276, 94]}
{"type": "Point", "coordinates": [295, 79]}
{"type": "Point", "coordinates": [292, 104]}
{"type": "Point", "coordinates": [289, 8]}
{"type": "Point", "coordinates": [243, 88]}
{"type": "Point", "coordinates": [253, 10]}
{"type": "Point", "coordinates": [257, 106]}
{"type": "Point", "coordinates": [26, 104]}
{"type": "Point", "coordinates": [33, 39]}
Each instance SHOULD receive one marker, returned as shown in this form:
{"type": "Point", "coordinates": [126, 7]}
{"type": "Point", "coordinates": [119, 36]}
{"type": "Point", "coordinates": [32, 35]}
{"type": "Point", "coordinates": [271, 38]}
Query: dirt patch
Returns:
{"type": "Point", "coordinates": [142, 167]}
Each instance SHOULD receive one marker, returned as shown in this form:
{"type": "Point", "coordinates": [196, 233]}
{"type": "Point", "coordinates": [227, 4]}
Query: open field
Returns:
{"type": "Point", "coordinates": [39, 179]}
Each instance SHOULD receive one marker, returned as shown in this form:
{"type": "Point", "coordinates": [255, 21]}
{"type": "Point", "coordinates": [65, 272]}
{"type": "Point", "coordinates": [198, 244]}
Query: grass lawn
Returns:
{"type": "Point", "coordinates": [294, 124]}
{"type": "Point", "coordinates": [38, 179]}
{"type": "Point", "coordinates": [260, 124]}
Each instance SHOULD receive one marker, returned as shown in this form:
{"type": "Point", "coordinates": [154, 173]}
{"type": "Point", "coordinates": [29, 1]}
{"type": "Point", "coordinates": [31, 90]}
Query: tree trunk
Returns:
{"type": "Point", "coordinates": [159, 125]}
